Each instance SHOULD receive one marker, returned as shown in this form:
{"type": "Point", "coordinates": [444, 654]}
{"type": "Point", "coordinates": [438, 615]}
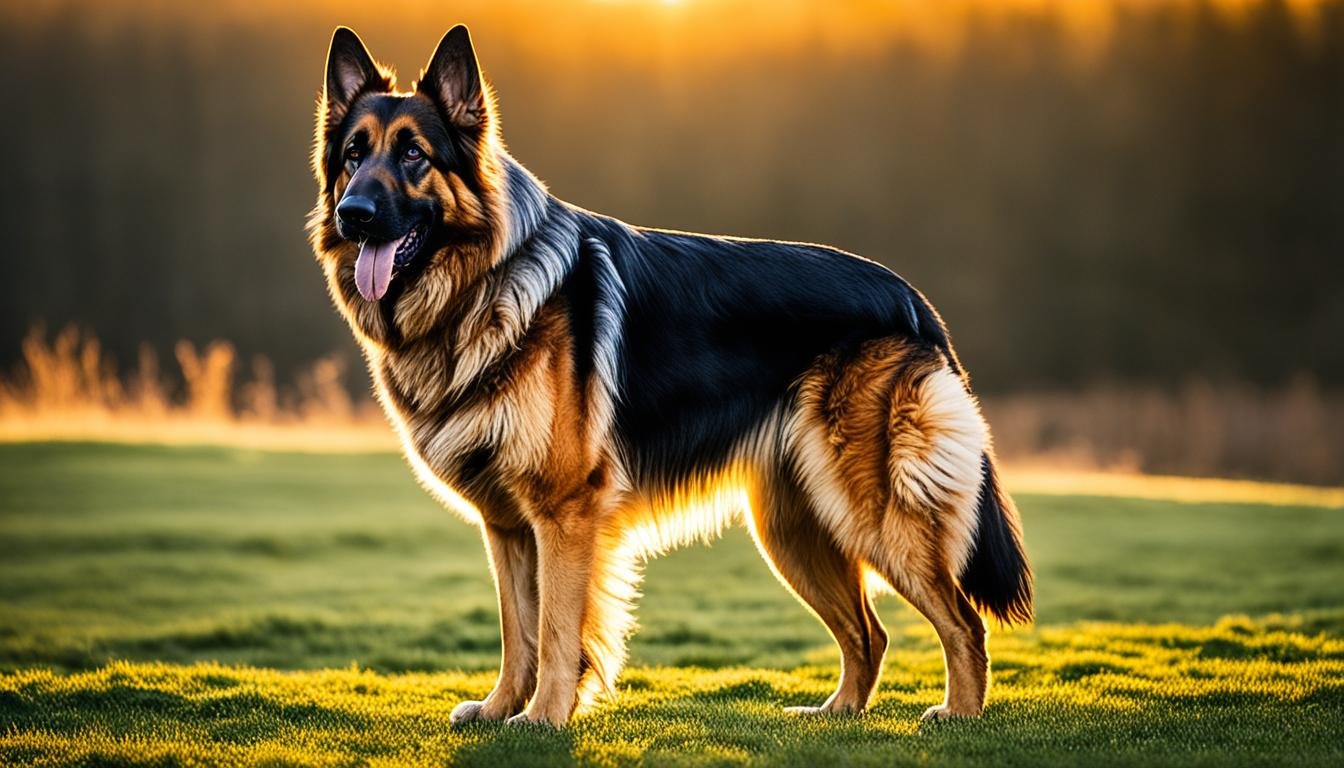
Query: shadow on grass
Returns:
{"type": "Point", "coordinates": [127, 709]}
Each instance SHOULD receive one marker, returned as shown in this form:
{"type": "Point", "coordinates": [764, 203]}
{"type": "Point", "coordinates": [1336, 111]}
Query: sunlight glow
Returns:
{"type": "Point", "coordinates": [653, 30]}
{"type": "Point", "coordinates": [1049, 481]}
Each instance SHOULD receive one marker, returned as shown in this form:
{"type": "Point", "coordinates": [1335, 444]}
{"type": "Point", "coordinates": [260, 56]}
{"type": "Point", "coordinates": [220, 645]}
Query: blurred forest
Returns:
{"type": "Point", "coordinates": [1146, 195]}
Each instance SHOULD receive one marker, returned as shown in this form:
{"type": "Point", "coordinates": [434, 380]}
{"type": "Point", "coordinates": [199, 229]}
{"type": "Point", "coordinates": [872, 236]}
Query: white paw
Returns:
{"type": "Point", "coordinates": [827, 710]}
{"type": "Point", "coordinates": [466, 712]}
{"type": "Point", "coordinates": [527, 718]}
{"type": "Point", "coordinates": [943, 713]}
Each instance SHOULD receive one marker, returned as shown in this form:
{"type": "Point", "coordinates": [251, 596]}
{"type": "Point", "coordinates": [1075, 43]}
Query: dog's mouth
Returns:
{"type": "Point", "coordinates": [377, 262]}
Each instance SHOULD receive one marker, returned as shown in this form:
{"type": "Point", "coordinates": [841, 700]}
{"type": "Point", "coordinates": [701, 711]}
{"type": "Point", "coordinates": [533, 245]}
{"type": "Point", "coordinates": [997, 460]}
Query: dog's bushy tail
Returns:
{"type": "Point", "coordinates": [997, 577]}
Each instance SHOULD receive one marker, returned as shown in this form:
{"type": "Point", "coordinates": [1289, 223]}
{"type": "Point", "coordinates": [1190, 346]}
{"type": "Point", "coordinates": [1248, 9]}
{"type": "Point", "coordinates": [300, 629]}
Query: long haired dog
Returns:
{"type": "Point", "coordinates": [600, 393]}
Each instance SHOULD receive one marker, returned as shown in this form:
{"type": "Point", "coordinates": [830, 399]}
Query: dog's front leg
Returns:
{"type": "Point", "coordinates": [565, 554]}
{"type": "Point", "coordinates": [513, 559]}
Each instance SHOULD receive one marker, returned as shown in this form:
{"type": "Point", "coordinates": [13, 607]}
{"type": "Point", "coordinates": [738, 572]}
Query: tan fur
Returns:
{"type": "Point", "coordinates": [831, 583]}
{"type": "Point", "coordinates": [886, 448]}
{"type": "Point", "coordinates": [869, 476]}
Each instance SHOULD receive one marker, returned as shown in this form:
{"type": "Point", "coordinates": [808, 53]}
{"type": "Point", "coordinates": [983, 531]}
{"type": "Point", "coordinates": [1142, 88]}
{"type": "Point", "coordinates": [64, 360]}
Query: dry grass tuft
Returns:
{"type": "Point", "coordinates": [67, 388]}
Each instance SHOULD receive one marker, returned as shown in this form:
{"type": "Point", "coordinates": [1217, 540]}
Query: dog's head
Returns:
{"type": "Point", "coordinates": [406, 179]}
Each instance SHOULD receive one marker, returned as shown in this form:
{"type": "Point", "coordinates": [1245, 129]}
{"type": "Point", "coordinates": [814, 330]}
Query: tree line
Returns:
{"type": "Point", "coordinates": [1166, 205]}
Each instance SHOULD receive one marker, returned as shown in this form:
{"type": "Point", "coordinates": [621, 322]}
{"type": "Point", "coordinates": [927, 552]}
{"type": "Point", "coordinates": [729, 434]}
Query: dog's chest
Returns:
{"type": "Point", "coordinates": [496, 427]}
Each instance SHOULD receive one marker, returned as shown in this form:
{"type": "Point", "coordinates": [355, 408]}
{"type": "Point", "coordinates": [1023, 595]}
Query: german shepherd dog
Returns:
{"type": "Point", "coordinates": [600, 393]}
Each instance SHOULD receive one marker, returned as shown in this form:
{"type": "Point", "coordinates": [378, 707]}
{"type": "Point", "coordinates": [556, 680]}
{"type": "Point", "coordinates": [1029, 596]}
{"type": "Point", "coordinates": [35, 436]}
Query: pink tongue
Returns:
{"type": "Point", "coordinates": [373, 268]}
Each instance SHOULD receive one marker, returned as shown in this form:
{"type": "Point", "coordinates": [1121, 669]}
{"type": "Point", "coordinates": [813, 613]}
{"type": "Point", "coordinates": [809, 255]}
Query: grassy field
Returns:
{"type": "Point", "coordinates": [199, 605]}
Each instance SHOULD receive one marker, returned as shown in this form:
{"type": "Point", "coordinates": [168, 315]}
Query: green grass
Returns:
{"type": "Point", "coordinates": [171, 605]}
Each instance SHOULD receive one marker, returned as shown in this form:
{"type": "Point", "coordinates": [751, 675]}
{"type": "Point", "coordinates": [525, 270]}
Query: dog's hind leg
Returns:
{"type": "Point", "coordinates": [804, 556]}
{"type": "Point", "coordinates": [889, 444]}
{"type": "Point", "coordinates": [935, 443]}
{"type": "Point", "coordinates": [932, 590]}
{"type": "Point", "coordinates": [513, 560]}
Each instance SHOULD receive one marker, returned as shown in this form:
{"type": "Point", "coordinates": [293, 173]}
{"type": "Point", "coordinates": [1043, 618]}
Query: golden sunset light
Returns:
{"type": "Point", "coordinates": [672, 382]}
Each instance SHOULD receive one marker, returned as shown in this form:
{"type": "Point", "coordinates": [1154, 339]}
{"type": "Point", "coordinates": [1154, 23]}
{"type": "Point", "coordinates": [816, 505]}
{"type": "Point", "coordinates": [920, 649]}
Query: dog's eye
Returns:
{"type": "Point", "coordinates": [412, 154]}
{"type": "Point", "coordinates": [353, 154]}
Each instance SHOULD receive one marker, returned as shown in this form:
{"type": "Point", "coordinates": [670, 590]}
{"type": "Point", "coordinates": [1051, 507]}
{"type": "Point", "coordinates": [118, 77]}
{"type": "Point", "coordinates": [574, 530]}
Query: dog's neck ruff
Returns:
{"type": "Point", "coordinates": [540, 247]}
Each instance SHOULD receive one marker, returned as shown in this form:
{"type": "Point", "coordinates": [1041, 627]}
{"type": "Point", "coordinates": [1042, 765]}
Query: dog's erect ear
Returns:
{"type": "Point", "coordinates": [350, 72]}
{"type": "Point", "coordinates": [453, 80]}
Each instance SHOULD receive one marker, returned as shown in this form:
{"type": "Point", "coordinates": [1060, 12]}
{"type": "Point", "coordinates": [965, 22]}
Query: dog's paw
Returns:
{"type": "Point", "coordinates": [827, 710]}
{"type": "Point", "coordinates": [943, 713]}
{"type": "Point", "coordinates": [466, 712]}
{"type": "Point", "coordinates": [534, 719]}
{"type": "Point", "coordinates": [805, 711]}
{"type": "Point", "coordinates": [474, 712]}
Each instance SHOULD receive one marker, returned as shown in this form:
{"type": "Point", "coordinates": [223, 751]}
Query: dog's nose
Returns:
{"type": "Point", "coordinates": [356, 209]}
